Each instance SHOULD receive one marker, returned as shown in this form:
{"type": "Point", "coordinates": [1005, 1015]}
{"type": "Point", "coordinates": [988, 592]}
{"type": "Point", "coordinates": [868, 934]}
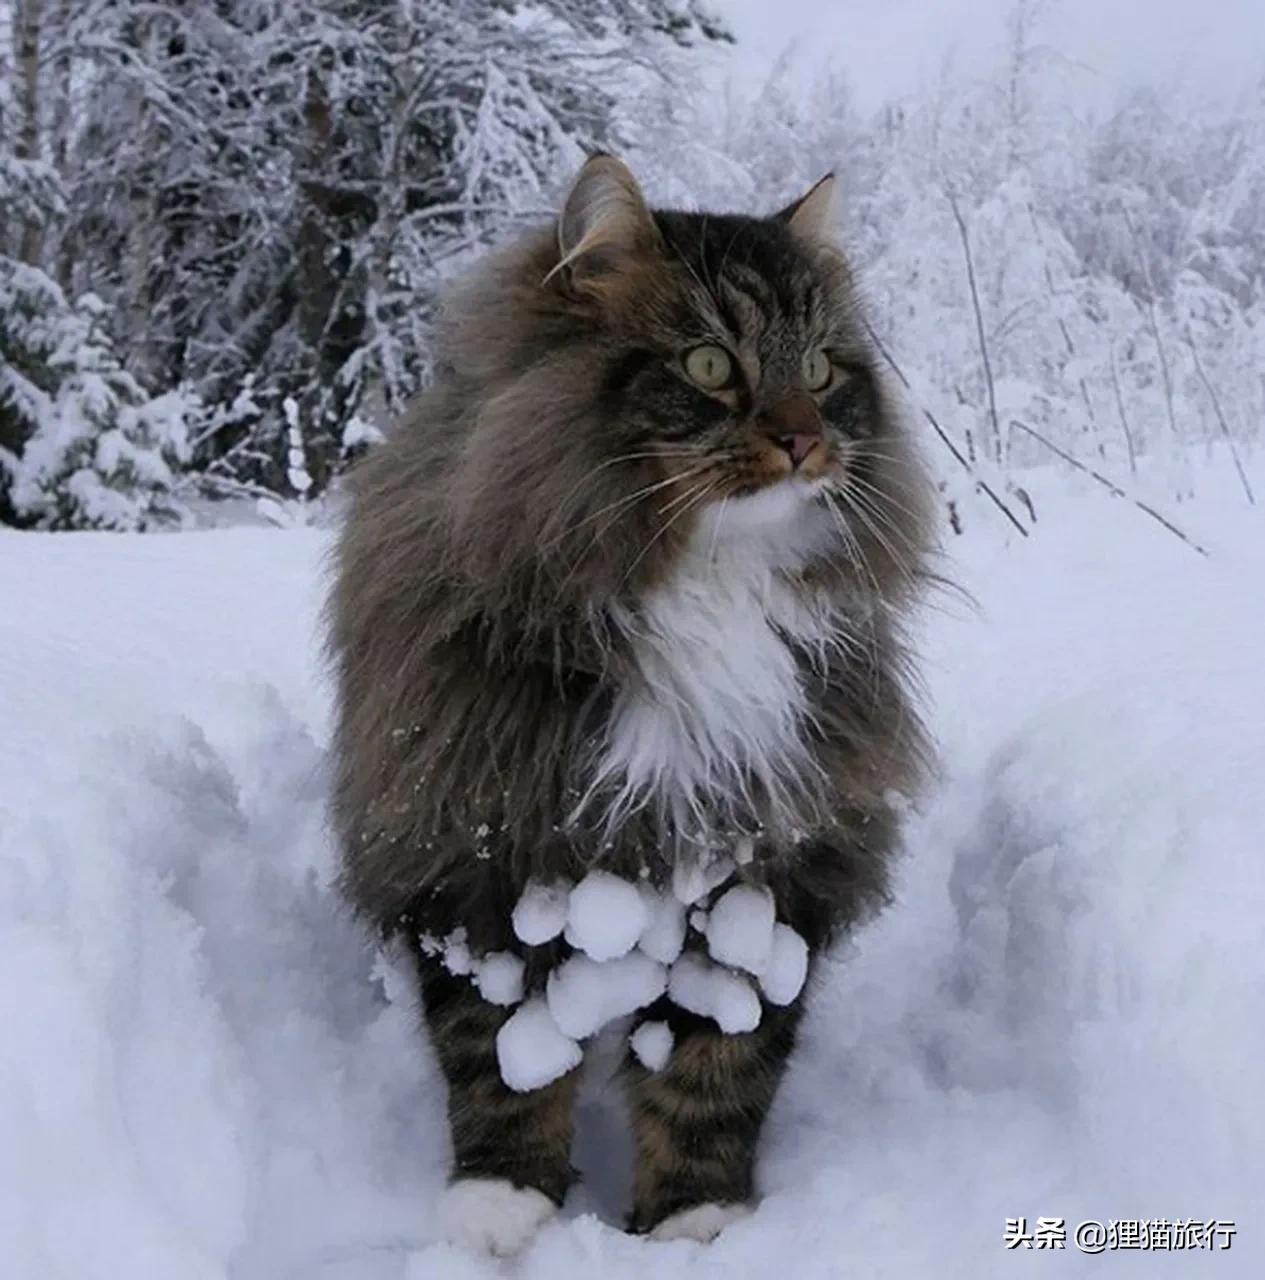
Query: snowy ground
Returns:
{"type": "Point", "coordinates": [203, 1072]}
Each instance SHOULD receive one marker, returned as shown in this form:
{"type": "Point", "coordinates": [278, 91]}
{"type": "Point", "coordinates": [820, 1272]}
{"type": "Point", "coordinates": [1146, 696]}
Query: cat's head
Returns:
{"type": "Point", "coordinates": [638, 378]}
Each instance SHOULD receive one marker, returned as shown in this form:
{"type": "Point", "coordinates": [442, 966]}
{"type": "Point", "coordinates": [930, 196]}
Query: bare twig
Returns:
{"type": "Point", "coordinates": [1216, 405]}
{"type": "Point", "coordinates": [945, 439]}
{"type": "Point", "coordinates": [1067, 336]}
{"type": "Point", "coordinates": [205, 484]}
{"type": "Point", "coordinates": [1109, 485]}
{"type": "Point", "coordinates": [979, 323]}
{"type": "Point", "coordinates": [1152, 323]}
{"type": "Point", "coordinates": [1124, 417]}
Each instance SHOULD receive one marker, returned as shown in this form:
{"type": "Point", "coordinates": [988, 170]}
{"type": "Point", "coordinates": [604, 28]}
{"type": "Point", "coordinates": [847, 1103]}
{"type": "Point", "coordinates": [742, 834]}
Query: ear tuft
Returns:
{"type": "Point", "coordinates": [812, 217]}
{"type": "Point", "coordinates": [606, 211]}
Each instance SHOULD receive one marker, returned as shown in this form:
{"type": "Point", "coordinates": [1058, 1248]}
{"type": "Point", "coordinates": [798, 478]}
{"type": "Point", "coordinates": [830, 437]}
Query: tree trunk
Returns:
{"type": "Point", "coordinates": [331, 282]}
{"type": "Point", "coordinates": [317, 280]}
{"type": "Point", "coordinates": [28, 18]}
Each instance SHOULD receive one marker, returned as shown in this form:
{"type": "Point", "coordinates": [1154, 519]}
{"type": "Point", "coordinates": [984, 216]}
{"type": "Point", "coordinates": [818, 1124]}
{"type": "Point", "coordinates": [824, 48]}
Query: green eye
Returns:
{"type": "Point", "coordinates": [710, 366]}
{"type": "Point", "coordinates": [816, 369]}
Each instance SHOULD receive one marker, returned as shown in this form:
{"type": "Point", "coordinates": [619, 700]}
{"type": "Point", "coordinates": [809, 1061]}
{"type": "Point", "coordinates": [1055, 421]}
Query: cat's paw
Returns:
{"type": "Point", "coordinates": [701, 1222]}
{"type": "Point", "coordinates": [492, 1216]}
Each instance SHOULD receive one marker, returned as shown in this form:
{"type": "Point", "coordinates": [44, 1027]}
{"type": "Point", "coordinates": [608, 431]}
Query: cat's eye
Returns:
{"type": "Point", "coordinates": [816, 369]}
{"type": "Point", "coordinates": [710, 366]}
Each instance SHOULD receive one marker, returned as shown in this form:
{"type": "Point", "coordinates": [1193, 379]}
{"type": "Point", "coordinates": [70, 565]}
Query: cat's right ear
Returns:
{"type": "Point", "coordinates": [812, 216]}
{"type": "Point", "coordinates": [605, 219]}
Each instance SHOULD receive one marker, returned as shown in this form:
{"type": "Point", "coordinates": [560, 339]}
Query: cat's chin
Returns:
{"type": "Point", "coordinates": [775, 506]}
{"type": "Point", "coordinates": [778, 526]}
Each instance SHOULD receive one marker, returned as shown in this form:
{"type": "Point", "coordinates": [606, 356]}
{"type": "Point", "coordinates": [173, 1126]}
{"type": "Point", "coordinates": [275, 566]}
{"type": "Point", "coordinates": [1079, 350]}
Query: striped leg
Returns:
{"type": "Point", "coordinates": [697, 1121]}
{"type": "Point", "coordinates": [511, 1151]}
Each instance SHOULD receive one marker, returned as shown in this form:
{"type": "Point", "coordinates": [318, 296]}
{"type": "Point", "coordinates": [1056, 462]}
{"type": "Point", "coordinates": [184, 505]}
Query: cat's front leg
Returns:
{"type": "Point", "coordinates": [697, 1121]}
{"type": "Point", "coordinates": [511, 1150]}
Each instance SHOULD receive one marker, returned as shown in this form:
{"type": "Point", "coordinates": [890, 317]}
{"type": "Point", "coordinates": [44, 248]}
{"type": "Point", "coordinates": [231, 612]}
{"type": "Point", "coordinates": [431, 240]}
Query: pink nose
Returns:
{"type": "Point", "coordinates": [799, 447]}
{"type": "Point", "coordinates": [794, 424]}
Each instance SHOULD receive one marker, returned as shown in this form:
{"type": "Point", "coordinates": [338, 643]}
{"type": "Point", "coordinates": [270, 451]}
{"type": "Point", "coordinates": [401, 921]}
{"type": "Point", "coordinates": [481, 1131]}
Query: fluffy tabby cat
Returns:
{"type": "Point", "coordinates": [624, 591]}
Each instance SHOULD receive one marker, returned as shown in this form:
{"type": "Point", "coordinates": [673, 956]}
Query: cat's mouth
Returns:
{"type": "Point", "coordinates": [798, 457]}
{"type": "Point", "coordinates": [757, 463]}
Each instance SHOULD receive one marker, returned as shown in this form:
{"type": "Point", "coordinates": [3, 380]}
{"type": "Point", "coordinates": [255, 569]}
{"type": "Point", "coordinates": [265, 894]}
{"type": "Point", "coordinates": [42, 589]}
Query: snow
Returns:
{"type": "Point", "coordinates": [695, 879]}
{"type": "Point", "coordinates": [652, 1043]}
{"type": "Point", "coordinates": [457, 958]}
{"type": "Point", "coordinates": [783, 977]}
{"type": "Point", "coordinates": [206, 1071]}
{"type": "Point", "coordinates": [585, 995]}
{"type": "Point", "coordinates": [453, 951]}
{"type": "Point", "coordinates": [712, 991]}
{"type": "Point", "coordinates": [530, 1049]}
{"type": "Point", "coordinates": [739, 928]}
{"type": "Point", "coordinates": [605, 915]}
{"type": "Point", "coordinates": [664, 932]}
{"type": "Point", "coordinates": [540, 914]}
{"type": "Point", "coordinates": [499, 977]}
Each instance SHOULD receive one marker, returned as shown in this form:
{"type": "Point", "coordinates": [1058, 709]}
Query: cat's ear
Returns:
{"type": "Point", "coordinates": [605, 216]}
{"type": "Point", "coordinates": [812, 218]}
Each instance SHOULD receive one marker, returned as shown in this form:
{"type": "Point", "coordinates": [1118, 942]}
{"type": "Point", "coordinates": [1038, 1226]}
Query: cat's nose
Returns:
{"type": "Point", "coordinates": [799, 447]}
{"type": "Point", "coordinates": [794, 424]}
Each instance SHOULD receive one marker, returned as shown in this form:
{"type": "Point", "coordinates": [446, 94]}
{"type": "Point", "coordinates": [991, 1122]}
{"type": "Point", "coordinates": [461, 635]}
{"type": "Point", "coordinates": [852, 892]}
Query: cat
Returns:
{"type": "Point", "coordinates": [625, 590]}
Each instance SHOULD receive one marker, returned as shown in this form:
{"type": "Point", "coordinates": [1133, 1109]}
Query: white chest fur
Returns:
{"type": "Point", "coordinates": [716, 700]}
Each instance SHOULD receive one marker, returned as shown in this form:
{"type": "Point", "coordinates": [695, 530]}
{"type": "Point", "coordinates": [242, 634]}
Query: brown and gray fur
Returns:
{"type": "Point", "coordinates": [499, 552]}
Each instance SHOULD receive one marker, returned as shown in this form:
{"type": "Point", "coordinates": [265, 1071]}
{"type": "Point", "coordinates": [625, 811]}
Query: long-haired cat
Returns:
{"type": "Point", "coordinates": [624, 592]}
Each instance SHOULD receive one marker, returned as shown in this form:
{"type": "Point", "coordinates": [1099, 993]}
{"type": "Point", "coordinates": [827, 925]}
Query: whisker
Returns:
{"type": "Point", "coordinates": [699, 493]}
{"type": "Point", "coordinates": [867, 641]}
{"type": "Point", "coordinates": [885, 495]}
{"type": "Point", "coordinates": [626, 501]}
{"type": "Point", "coordinates": [911, 566]}
{"type": "Point", "coordinates": [623, 505]}
{"type": "Point", "coordinates": [860, 453]}
{"type": "Point", "coordinates": [868, 449]}
{"type": "Point", "coordinates": [667, 506]}
{"type": "Point", "coordinates": [685, 262]}
{"type": "Point", "coordinates": [720, 515]}
{"type": "Point", "coordinates": [852, 546]}
{"type": "Point", "coordinates": [876, 497]}
{"type": "Point", "coordinates": [858, 503]}
{"type": "Point", "coordinates": [681, 451]}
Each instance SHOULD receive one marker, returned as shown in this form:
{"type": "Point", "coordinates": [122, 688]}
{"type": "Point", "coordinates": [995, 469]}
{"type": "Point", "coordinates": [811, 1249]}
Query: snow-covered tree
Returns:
{"type": "Point", "coordinates": [265, 196]}
{"type": "Point", "coordinates": [273, 188]}
{"type": "Point", "coordinates": [85, 447]}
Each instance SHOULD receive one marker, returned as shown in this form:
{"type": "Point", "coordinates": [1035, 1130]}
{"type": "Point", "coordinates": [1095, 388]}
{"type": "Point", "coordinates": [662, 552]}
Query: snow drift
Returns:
{"type": "Point", "coordinates": [205, 1071]}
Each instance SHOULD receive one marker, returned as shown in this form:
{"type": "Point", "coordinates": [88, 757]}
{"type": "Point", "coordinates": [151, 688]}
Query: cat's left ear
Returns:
{"type": "Point", "coordinates": [604, 218]}
{"type": "Point", "coordinates": [812, 218]}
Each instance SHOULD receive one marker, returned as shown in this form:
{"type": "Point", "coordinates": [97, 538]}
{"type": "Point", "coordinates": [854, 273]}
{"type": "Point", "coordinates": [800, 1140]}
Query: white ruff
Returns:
{"type": "Point", "coordinates": [717, 698]}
